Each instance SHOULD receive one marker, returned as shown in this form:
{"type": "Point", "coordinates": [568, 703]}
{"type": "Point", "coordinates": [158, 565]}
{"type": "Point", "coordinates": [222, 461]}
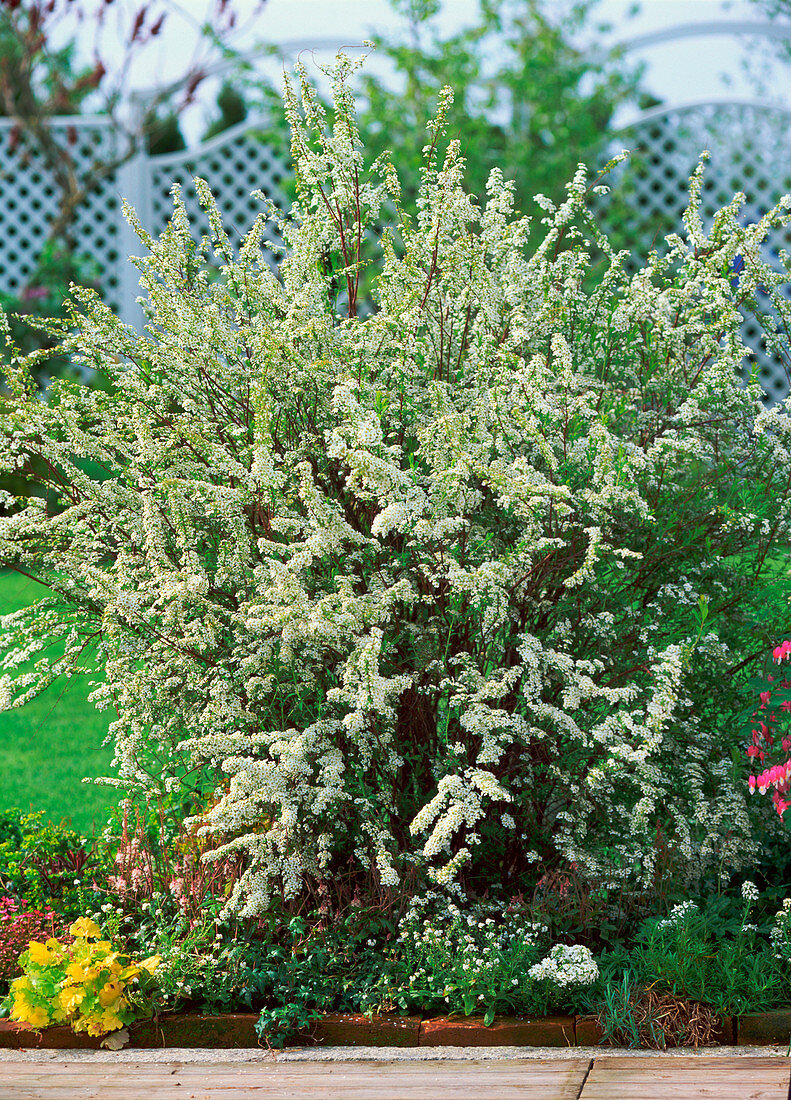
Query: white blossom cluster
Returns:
{"type": "Point", "coordinates": [449, 945]}
{"type": "Point", "coordinates": [780, 932]}
{"type": "Point", "coordinates": [678, 915]}
{"type": "Point", "coordinates": [750, 891]}
{"type": "Point", "coordinates": [411, 587]}
{"type": "Point", "coordinates": [566, 965]}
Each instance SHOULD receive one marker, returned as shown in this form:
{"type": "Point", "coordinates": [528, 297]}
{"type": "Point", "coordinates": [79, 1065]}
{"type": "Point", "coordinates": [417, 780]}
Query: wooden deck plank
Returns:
{"type": "Point", "coordinates": [527, 1079]}
{"type": "Point", "coordinates": [657, 1078]}
{"type": "Point", "coordinates": [641, 1077]}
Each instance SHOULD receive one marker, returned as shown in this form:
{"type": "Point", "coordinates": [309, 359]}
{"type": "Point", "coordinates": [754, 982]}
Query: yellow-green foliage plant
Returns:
{"type": "Point", "coordinates": [85, 983]}
{"type": "Point", "coordinates": [454, 585]}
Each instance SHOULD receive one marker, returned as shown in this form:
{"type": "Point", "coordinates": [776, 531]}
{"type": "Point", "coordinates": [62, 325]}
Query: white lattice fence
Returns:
{"type": "Point", "coordinates": [29, 203]}
{"type": "Point", "coordinates": [235, 164]}
{"type": "Point", "coordinates": [749, 152]}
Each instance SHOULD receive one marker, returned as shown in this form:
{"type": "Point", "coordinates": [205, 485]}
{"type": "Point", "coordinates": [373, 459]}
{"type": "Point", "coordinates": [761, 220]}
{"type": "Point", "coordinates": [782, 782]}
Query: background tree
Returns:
{"type": "Point", "coordinates": [529, 96]}
{"type": "Point", "coordinates": [40, 78]}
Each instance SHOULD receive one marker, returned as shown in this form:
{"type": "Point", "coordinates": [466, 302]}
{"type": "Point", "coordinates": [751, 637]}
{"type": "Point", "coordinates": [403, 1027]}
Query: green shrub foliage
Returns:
{"type": "Point", "coordinates": [455, 589]}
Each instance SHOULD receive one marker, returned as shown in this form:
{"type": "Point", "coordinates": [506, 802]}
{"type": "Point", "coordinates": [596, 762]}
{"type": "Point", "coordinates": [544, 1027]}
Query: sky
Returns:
{"type": "Point", "coordinates": [711, 66]}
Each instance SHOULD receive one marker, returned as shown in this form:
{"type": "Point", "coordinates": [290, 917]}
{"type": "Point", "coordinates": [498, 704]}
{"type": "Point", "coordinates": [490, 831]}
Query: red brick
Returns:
{"type": "Point", "coordinates": [470, 1031]}
{"type": "Point", "coordinates": [587, 1031]}
{"type": "Point", "coordinates": [232, 1031]}
{"type": "Point", "coordinates": [726, 1033]}
{"type": "Point", "coordinates": [16, 1036]}
{"type": "Point", "coordinates": [229, 1032]}
{"type": "Point", "coordinates": [346, 1030]}
{"type": "Point", "coordinates": [764, 1028]}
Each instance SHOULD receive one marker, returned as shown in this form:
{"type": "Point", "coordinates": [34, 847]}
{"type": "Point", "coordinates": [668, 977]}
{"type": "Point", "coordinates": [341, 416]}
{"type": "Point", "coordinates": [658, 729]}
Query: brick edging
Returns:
{"type": "Point", "coordinates": [237, 1031]}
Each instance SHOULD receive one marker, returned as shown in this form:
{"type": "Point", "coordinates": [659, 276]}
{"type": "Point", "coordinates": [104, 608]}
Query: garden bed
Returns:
{"type": "Point", "coordinates": [237, 1031]}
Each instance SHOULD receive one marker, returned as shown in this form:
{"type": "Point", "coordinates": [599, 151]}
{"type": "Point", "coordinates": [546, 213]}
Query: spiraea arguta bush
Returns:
{"type": "Point", "coordinates": [458, 584]}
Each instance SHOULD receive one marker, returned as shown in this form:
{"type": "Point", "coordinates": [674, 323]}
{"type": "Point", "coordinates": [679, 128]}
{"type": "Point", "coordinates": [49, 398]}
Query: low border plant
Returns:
{"type": "Point", "coordinates": [82, 982]}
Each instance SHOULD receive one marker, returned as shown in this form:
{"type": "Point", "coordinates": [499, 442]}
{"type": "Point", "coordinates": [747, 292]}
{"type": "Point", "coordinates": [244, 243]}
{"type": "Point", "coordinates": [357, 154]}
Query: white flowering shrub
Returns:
{"type": "Point", "coordinates": [422, 585]}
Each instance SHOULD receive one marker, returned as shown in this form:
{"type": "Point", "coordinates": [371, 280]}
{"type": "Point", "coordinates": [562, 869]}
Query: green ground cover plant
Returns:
{"type": "Point", "coordinates": [657, 981]}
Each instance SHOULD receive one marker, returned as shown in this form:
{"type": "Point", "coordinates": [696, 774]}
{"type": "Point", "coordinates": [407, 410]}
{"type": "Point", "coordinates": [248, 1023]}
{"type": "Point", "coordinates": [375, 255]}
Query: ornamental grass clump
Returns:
{"type": "Point", "coordinates": [455, 586]}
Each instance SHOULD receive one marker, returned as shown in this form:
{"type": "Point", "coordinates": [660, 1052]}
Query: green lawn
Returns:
{"type": "Point", "coordinates": [50, 745]}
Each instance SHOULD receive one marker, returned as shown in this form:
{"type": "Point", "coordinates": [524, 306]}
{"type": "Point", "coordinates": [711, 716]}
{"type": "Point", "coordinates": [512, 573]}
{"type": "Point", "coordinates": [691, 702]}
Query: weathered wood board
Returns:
{"type": "Point", "coordinates": [642, 1077]}
{"type": "Point", "coordinates": [528, 1079]}
{"type": "Point", "coordinates": [654, 1077]}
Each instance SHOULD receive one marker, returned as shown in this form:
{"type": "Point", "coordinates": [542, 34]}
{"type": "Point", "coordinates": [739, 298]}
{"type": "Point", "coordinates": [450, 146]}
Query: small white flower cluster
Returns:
{"type": "Point", "coordinates": [470, 947]}
{"type": "Point", "coordinates": [678, 915]}
{"type": "Point", "coordinates": [780, 932]}
{"type": "Point", "coordinates": [750, 891]}
{"type": "Point", "coordinates": [566, 966]}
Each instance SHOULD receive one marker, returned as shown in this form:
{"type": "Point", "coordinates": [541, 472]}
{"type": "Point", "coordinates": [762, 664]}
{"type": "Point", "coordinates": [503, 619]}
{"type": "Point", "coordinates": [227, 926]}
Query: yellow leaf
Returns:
{"type": "Point", "coordinates": [110, 1021]}
{"type": "Point", "coordinates": [151, 963]}
{"type": "Point", "coordinates": [83, 928]}
{"type": "Point", "coordinates": [39, 953]}
{"type": "Point", "coordinates": [70, 999]}
{"type": "Point", "coordinates": [110, 993]}
{"type": "Point", "coordinates": [38, 1017]}
{"type": "Point", "coordinates": [75, 972]}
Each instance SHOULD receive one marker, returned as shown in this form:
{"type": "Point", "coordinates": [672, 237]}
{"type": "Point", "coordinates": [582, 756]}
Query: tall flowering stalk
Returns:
{"type": "Point", "coordinates": [416, 587]}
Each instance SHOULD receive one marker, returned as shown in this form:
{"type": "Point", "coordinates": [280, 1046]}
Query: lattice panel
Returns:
{"type": "Point", "coordinates": [234, 165]}
{"type": "Point", "coordinates": [29, 204]}
{"type": "Point", "coordinates": [748, 153]}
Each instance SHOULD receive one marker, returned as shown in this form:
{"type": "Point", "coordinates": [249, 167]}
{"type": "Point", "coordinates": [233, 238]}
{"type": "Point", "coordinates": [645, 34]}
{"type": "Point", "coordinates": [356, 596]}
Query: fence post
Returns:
{"type": "Point", "coordinates": [134, 185]}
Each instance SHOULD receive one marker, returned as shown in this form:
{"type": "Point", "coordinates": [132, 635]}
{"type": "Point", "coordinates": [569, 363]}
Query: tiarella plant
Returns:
{"type": "Point", "coordinates": [462, 583]}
